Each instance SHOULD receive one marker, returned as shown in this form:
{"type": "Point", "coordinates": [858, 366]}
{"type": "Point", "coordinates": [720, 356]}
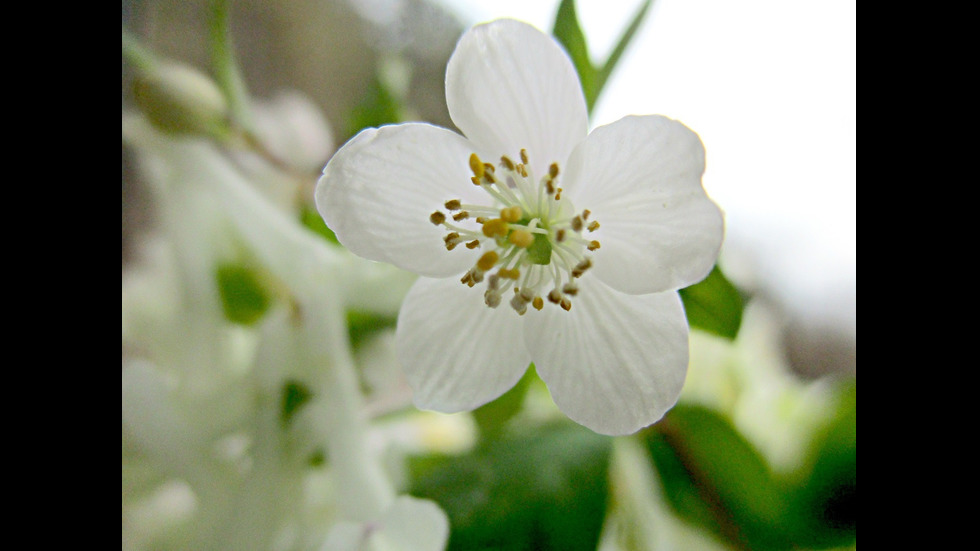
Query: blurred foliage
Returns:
{"type": "Point", "coordinates": [294, 396]}
{"type": "Point", "coordinates": [545, 490]}
{"type": "Point", "coordinates": [715, 478]}
{"type": "Point", "coordinates": [244, 296]}
{"type": "Point", "coordinates": [714, 305]}
{"type": "Point", "coordinates": [492, 418]}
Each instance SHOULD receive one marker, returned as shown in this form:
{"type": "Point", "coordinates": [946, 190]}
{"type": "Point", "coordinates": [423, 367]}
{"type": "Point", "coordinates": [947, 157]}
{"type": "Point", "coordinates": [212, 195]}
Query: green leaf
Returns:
{"type": "Point", "coordinates": [715, 478]}
{"type": "Point", "coordinates": [545, 490]}
{"type": "Point", "coordinates": [361, 325]}
{"type": "Point", "coordinates": [378, 107]}
{"type": "Point", "coordinates": [714, 305]}
{"type": "Point", "coordinates": [312, 220]}
{"type": "Point", "coordinates": [294, 396]}
{"type": "Point", "coordinates": [244, 297]}
{"type": "Point", "coordinates": [824, 493]}
{"type": "Point", "coordinates": [569, 33]}
{"type": "Point", "coordinates": [492, 417]}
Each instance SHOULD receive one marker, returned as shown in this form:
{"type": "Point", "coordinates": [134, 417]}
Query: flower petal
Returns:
{"type": "Point", "coordinates": [614, 363]}
{"type": "Point", "coordinates": [641, 178]}
{"type": "Point", "coordinates": [458, 353]}
{"type": "Point", "coordinates": [510, 86]}
{"type": "Point", "coordinates": [379, 189]}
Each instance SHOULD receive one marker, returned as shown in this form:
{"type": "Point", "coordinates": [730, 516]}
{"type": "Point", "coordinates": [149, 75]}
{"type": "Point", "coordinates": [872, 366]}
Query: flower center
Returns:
{"type": "Point", "coordinates": [531, 234]}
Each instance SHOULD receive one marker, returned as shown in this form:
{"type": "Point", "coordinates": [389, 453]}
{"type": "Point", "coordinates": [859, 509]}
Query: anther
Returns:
{"type": "Point", "coordinates": [507, 162]}
{"type": "Point", "coordinates": [437, 218]}
{"type": "Point", "coordinates": [495, 226]}
{"type": "Point", "coordinates": [593, 225]}
{"type": "Point", "coordinates": [570, 289]}
{"type": "Point", "coordinates": [554, 296]}
{"type": "Point", "coordinates": [585, 214]}
{"type": "Point", "coordinates": [511, 214]}
{"type": "Point", "coordinates": [512, 273]}
{"type": "Point", "coordinates": [477, 166]}
{"type": "Point", "coordinates": [487, 261]}
{"type": "Point", "coordinates": [538, 303]}
{"type": "Point", "coordinates": [560, 235]}
{"type": "Point", "coordinates": [577, 223]}
{"type": "Point", "coordinates": [581, 267]}
{"type": "Point", "coordinates": [453, 204]}
{"type": "Point", "coordinates": [558, 195]}
{"type": "Point", "coordinates": [593, 245]}
{"type": "Point", "coordinates": [524, 156]}
{"type": "Point", "coordinates": [473, 244]}
{"type": "Point", "coordinates": [491, 298]}
{"type": "Point", "coordinates": [451, 240]}
{"type": "Point", "coordinates": [461, 215]}
{"type": "Point", "coordinates": [566, 304]}
{"type": "Point", "coordinates": [521, 238]}
{"type": "Point", "coordinates": [553, 170]}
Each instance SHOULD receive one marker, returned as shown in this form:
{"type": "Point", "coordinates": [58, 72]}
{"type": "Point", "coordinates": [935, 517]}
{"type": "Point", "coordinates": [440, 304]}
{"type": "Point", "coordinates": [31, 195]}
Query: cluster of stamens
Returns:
{"type": "Point", "coordinates": [533, 239]}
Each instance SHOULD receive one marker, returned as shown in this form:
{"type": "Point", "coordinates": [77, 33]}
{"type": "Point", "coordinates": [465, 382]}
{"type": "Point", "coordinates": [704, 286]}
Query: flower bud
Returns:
{"type": "Point", "coordinates": [182, 100]}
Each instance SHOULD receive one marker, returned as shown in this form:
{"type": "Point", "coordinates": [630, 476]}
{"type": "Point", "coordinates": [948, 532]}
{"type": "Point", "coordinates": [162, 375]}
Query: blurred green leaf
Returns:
{"type": "Point", "coordinates": [714, 305]}
{"type": "Point", "coordinates": [492, 417]}
{"type": "Point", "coordinates": [568, 32]}
{"type": "Point", "coordinates": [715, 478]}
{"type": "Point", "coordinates": [361, 325]}
{"type": "Point", "coordinates": [377, 108]}
{"type": "Point", "coordinates": [824, 491]}
{"type": "Point", "coordinates": [311, 219]}
{"type": "Point", "coordinates": [545, 490]}
{"type": "Point", "coordinates": [244, 297]}
{"type": "Point", "coordinates": [294, 396]}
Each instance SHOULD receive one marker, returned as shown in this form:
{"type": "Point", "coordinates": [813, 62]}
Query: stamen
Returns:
{"type": "Point", "coordinates": [494, 227]}
{"type": "Point", "coordinates": [477, 166]}
{"type": "Point", "coordinates": [521, 238]}
{"type": "Point", "coordinates": [511, 214]}
{"type": "Point", "coordinates": [453, 204]}
{"type": "Point", "coordinates": [462, 215]}
{"type": "Point", "coordinates": [593, 245]}
{"type": "Point", "coordinates": [437, 218]}
{"type": "Point", "coordinates": [487, 261]}
{"type": "Point", "coordinates": [593, 225]}
{"type": "Point", "coordinates": [509, 273]}
{"type": "Point", "coordinates": [473, 244]}
{"type": "Point", "coordinates": [524, 156]}
{"type": "Point", "coordinates": [577, 224]}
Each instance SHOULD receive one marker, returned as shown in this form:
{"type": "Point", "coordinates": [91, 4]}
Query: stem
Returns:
{"type": "Point", "coordinates": [226, 67]}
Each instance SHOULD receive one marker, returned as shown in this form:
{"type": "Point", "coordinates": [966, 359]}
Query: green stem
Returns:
{"type": "Point", "coordinates": [226, 67]}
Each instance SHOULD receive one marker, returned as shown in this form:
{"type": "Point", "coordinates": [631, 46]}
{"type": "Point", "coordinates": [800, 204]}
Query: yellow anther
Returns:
{"type": "Point", "coordinates": [593, 225]}
{"type": "Point", "coordinates": [558, 195]}
{"type": "Point", "coordinates": [553, 170]}
{"type": "Point", "coordinates": [585, 214]}
{"type": "Point", "coordinates": [511, 214]}
{"type": "Point", "coordinates": [487, 261]}
{"type": "Point", "coordinates": [462, 215]}
{"type": "Point", "coordinates": [566, 304]}
{"type": "Point", "coordinates": [453, 204]}
{"type": "Point", "coordinates": [522, 169]}
{"type": "Point", "coordinates": [476, 165]}
{"type": "Point", "coordinates": [507, 162]}
{"type": "Point", "coordinates": [593, 245]}
{"type": "Point", "coordinates": [538, 303]}
{"type": "Point", "coordinates": [451, 240]}
{"type": "Point", "coordinates": [554, 296]}
{"type": "Point", "coordinates": [577, 223]}
{"type": "Point", "coordinates": [570, 289]}
{"type": "Point", "coordinates": [437, 218]}
{"type": "Point", "coordinates": [476, 181]}
{"type": "Point", "coordinates": [513, 273]}
{"type": "Point", "coordinates": [524, 156]}
{"type": "Point", "coordinates": [521, 238]}
{"type": "Point", "coordinates": [560, 235]}
{"type": "Point", "coordinates": [473, 244]}
{"type": "Point", "coordinates": [549, 187]}
{"type": "Point", "coordinates": [495, 227]}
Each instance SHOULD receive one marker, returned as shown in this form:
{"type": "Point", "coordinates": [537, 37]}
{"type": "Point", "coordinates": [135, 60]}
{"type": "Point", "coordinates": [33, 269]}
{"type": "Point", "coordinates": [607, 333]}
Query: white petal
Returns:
{"type": "Point", "coordinates": [641, 178]}
{"type": "Point", "coordinates": [458, 354]}
{"type": "Point", "coordinates": [378, 192]}
{"type": "Point", "coordinates": [614, 363]}
{"type": "Point", "coordinates": [510, 86]}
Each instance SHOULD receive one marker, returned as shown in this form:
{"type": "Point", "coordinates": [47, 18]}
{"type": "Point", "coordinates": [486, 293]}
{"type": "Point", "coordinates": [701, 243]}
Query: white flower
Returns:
{"type": "Point", "coordinates": [595, 232]}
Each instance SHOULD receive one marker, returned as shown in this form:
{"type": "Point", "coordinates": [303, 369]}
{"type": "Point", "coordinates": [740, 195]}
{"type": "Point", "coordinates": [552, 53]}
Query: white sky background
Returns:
{"type": "Point", "coordinates": [770, 86]}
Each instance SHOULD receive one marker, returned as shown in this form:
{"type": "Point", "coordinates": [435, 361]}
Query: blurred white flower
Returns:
{"type": "Point", "coordinates": [529, 228]}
